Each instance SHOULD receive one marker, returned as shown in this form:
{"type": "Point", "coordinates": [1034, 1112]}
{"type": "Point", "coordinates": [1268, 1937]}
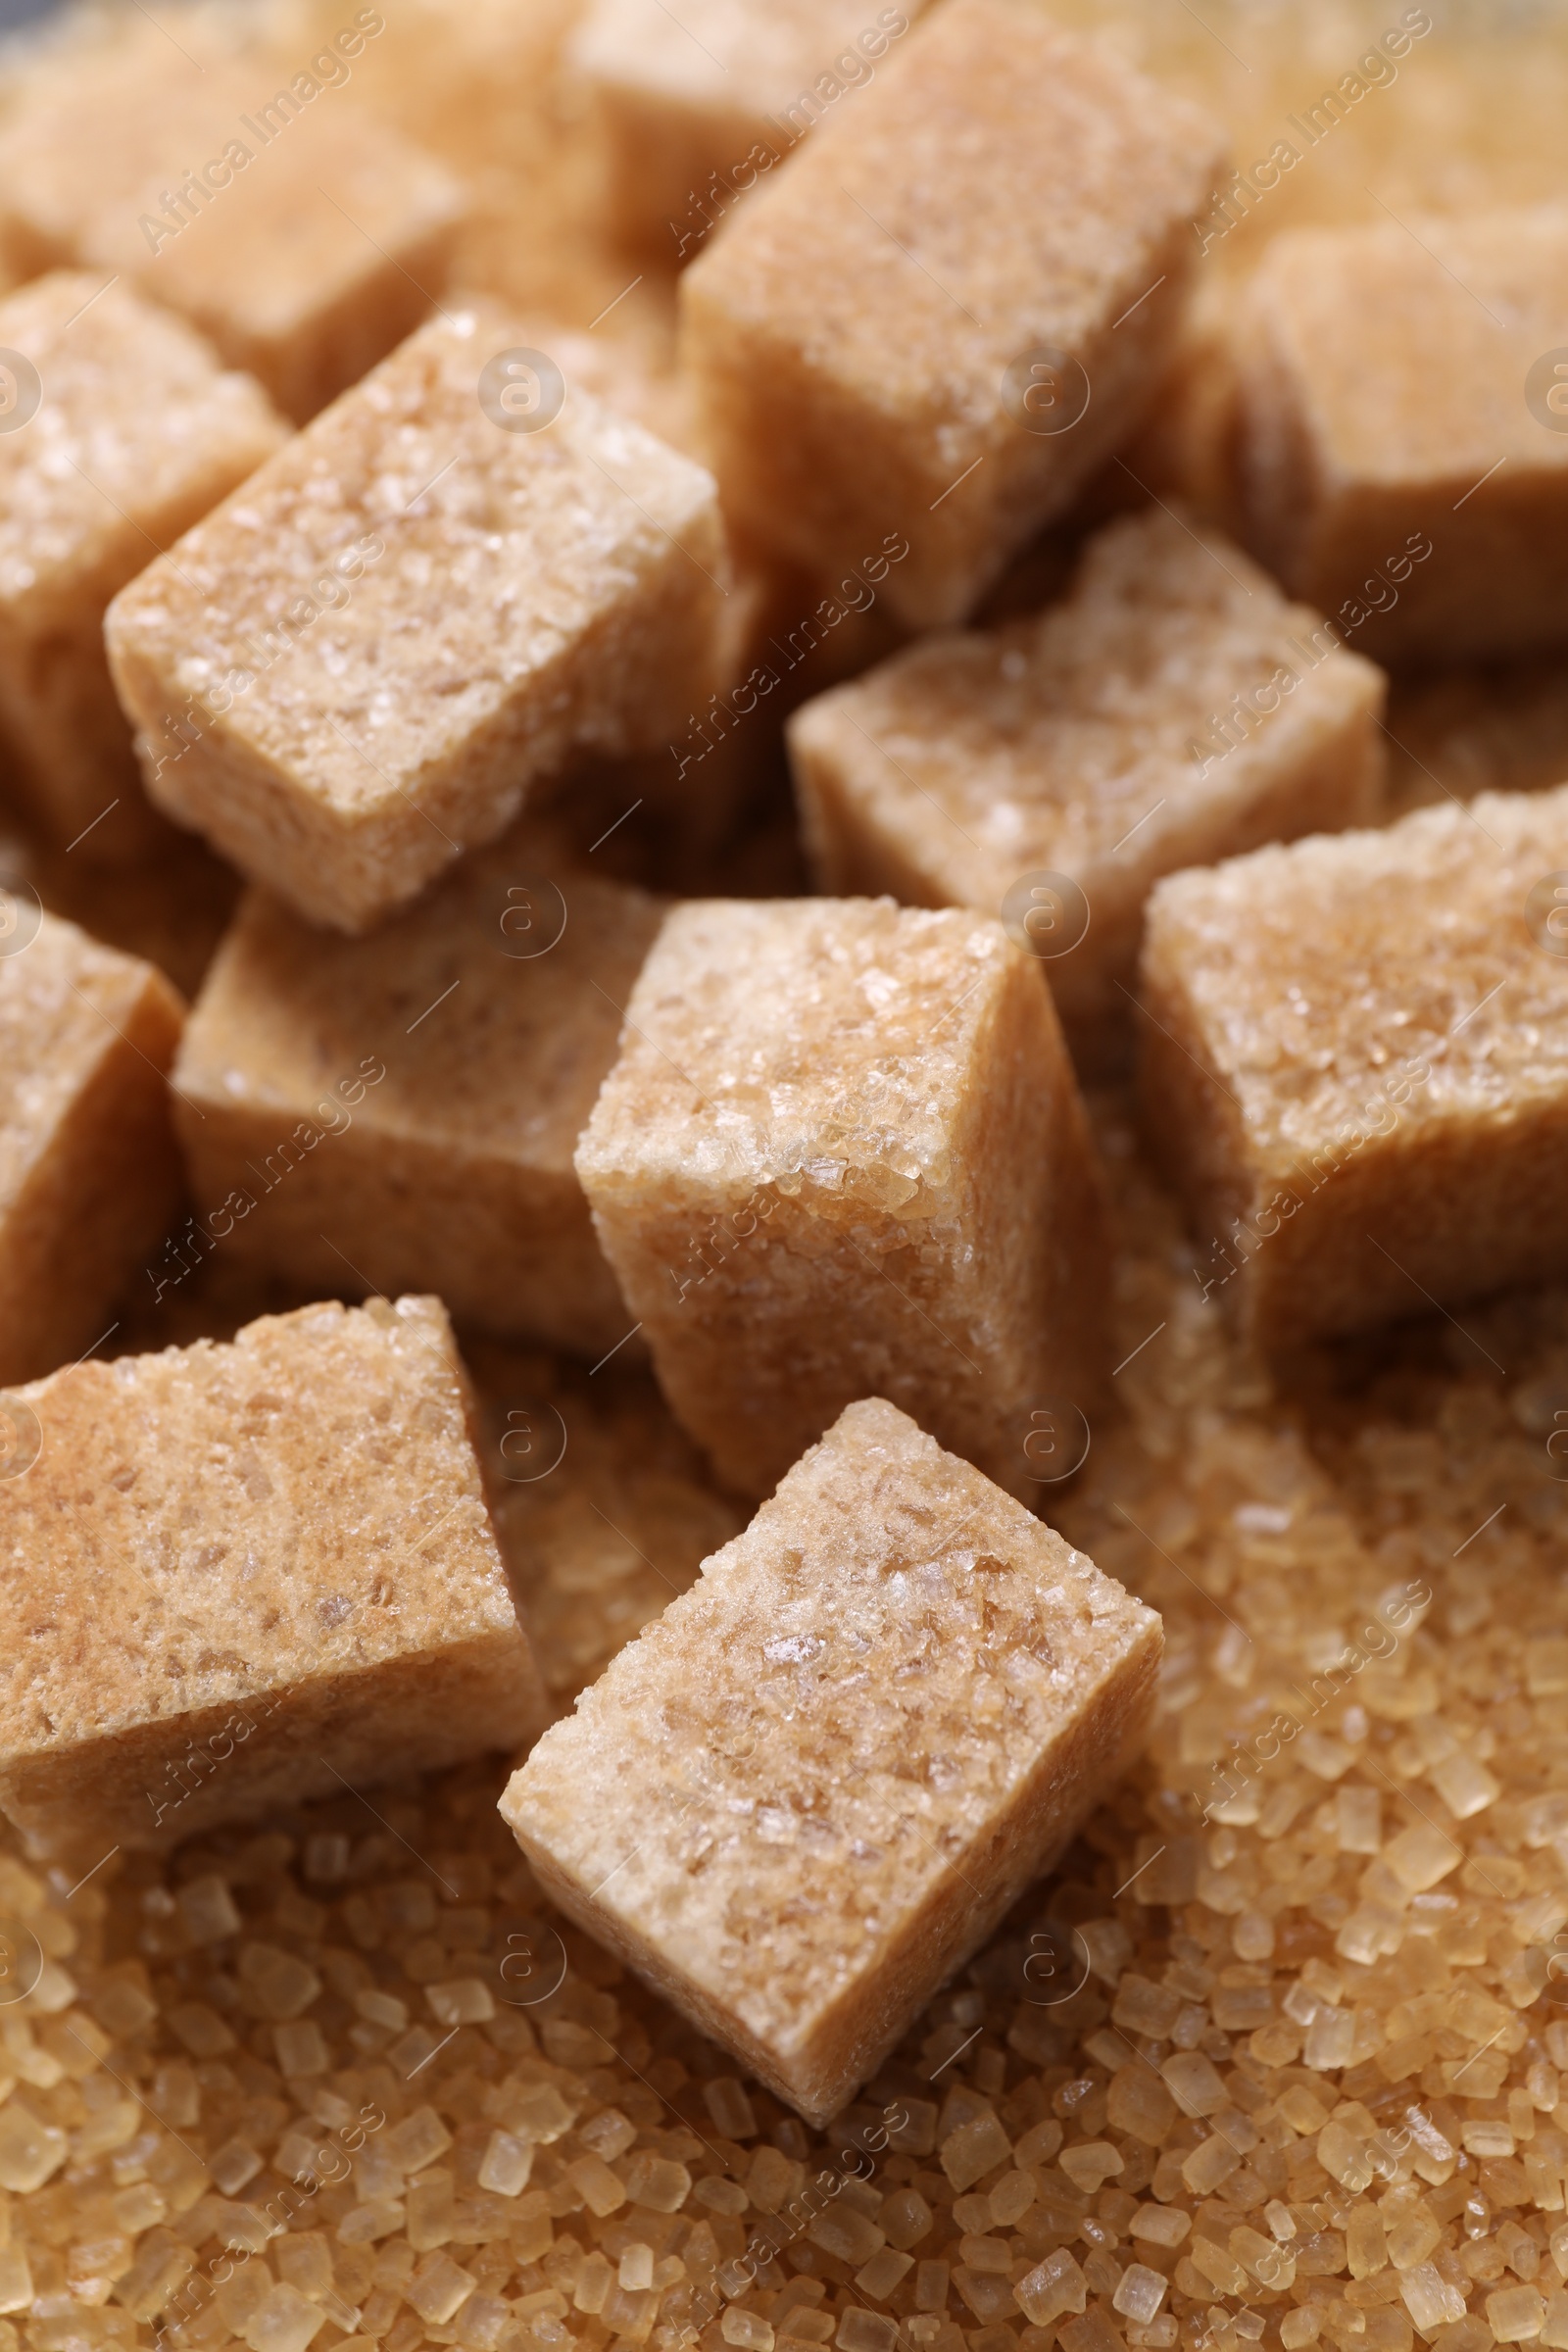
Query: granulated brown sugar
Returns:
{"type": "Point", "coordinates": [1285, 2073]}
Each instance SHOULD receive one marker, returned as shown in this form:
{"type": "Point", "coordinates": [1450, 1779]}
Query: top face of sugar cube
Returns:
{"type": "Point", "coordinates": [92, 466]}
{"type": "Point", "coordinates": [1410, 354]}
{"type": "Point", "coordinates": [815, 1044]}
{"type": "Point", "coordinates": [899, 1640]}
{"type": "Point", "coordinates": [737, 55]}
{"type": "Point", "coordinates": [1312, 972]}
{"type": "Point", "coordinates": [211, 1520]}
{"type": "Point", "coordinates": [1043, 742]}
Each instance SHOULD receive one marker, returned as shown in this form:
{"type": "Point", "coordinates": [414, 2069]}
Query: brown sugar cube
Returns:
{"type": "Point", "coordinates": [1356, 1064]}
{"type": "Point", "coordinates": [91, 483]}
{"type": "Point", "coordinates": [1171, 710]}
{"type": "Point", "coordinates": [692, 112]}
{"type": "Point", "coordinates": [361, 664]}
{"type": "Point", "coordinates": [240, 1576]}
{"type": "Point", "coordinates": [843, 1150]}
{"type": "Point", "coordinates": [800, 1801]}
{"type": "Point", "coordinates": [89, 1176]}
{"type": "Point", "coordinates": [1405, 451]}
{"type": "Point", "coordinates": [302, 238]}
{"type": "Point", "coordinates": [953, 302]}
{"type": "Point", "coordinates": [403, 1109]}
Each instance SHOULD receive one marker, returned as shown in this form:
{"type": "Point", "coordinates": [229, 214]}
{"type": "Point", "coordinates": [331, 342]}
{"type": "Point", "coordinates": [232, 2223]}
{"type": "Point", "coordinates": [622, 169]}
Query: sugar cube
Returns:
{"type": "Point", "coordinates": [1353, 1063]}
{"type": "Point", "coordinates": [241, 1575]}
{"type": "Point", "coordinates": [1404, 429]}
{"type": "Point", "coordinates": [433, 596]}
{"type": "Point", "coordinates": [402, 1110]}
{"type": "Point", "coordinates": [843, 1150]}
{"type": "Point", "coordinates": [806, 1794]}
{"type": "Point", "coordinates": [692, 112]}
{"type": "Point", "coordinates": [302, 236]}
{"type": "Point", "coordinates": [953, 302]}
{"type": "Point", "coordinates": [89, 1176]}
{"type": "Point", "coordinates": [91, 484]}
{"type": "Point", "coordinates": [1171, 710]}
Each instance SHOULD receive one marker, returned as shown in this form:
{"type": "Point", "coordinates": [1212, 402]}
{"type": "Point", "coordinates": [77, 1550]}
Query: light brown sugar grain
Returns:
{"type": "Point", "coordinates": [89, 1175]}
{"type": "Point", "coordinates": [692, 114]}
{"type": "Point", "coordinates": [1352, 1062]}
{"type": "Point", "coordinates": [949, 306]}
{"type": "Point", "coordinates": [411, 1102]}
{"type": "Point", "coordinates": [238, 1574]}
{"type": "Point", "coordinates": [798, 1800]}
{"type": "Point", "coordinates": [1171, 710]}
{"type": "Point", "coordinates": [1426, 521]}
{"type": "Point", "coordinates": [842, 1153]}
{"type": "Point", "coordinates": [357, 666]}
{"type": "Point", "coordinates": [91, 484]}
{"type": "Point", "coordinates": [304, 239]}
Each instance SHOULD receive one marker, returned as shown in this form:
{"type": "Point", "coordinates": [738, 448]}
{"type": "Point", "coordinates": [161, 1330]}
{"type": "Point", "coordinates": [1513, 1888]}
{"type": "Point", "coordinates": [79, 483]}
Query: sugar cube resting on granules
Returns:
{"type": "Point", "coordinates": [91, 484]}
{"type": "Point", "coordinates": [358, 667]}
{"type": "Point", "coordinates": [692, 112]}
{"type": "Point", "coordinates": [302, 238]}
{"type": "Point", "coordinates": [807, 1793]}
{"type": "Point", "coordinates": [1171, 710]}
{"type": "Point", "coordinates": [236, 1576]}
{"type": "Point", "coordinates": [843, 1152]}
{"type": "Point", "coordinates": [1355, 1064]}
{"type": "Point", "coordinates": [402, 1110]}
{"type": "Point", "coordinates": [89, 1175]}
{"type": "Point", "coordinates": [950, 305]}
{"type": "Point", "coordinates": [1404, 462]}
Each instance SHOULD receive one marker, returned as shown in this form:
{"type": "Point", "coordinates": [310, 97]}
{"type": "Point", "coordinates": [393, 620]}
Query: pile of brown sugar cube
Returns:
{"type": "Point", "coordinates": [783, 1177]}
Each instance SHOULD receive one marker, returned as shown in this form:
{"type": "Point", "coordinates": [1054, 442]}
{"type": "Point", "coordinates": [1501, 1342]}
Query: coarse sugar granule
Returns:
{"type": "Point", "coordinates": [1282, 2076]}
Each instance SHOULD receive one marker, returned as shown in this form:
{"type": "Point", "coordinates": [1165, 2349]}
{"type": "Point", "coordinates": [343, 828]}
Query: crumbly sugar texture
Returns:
{"type": "Point", "coordinates": [403, 1109]}
{"type": "Point", "coordinates": [800, 1801]}
{"type": "Point", "coordinates": [89, 1175]}
{"type": "Point", "coordinates": [947, 263]}
{"type": "Point", "coordinates": [304, 239]}
{"type": "Point", "coordinates": [91, 483]}
{"type": "Point", "coordinates": [1171, 710]}
{"type": "Point", "coordinates": [241, 1575]}
{"type": "Point", "coordinates": [1353, 1063]}
{"type": "Point", "coordinates": [842, 1153]}
{"type": "Point", "coordinates": [360, 663]}
{"type": "Point", "coordinates": [1405, 465]}
{"type": "Point", "coordinates": [691, 114]}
